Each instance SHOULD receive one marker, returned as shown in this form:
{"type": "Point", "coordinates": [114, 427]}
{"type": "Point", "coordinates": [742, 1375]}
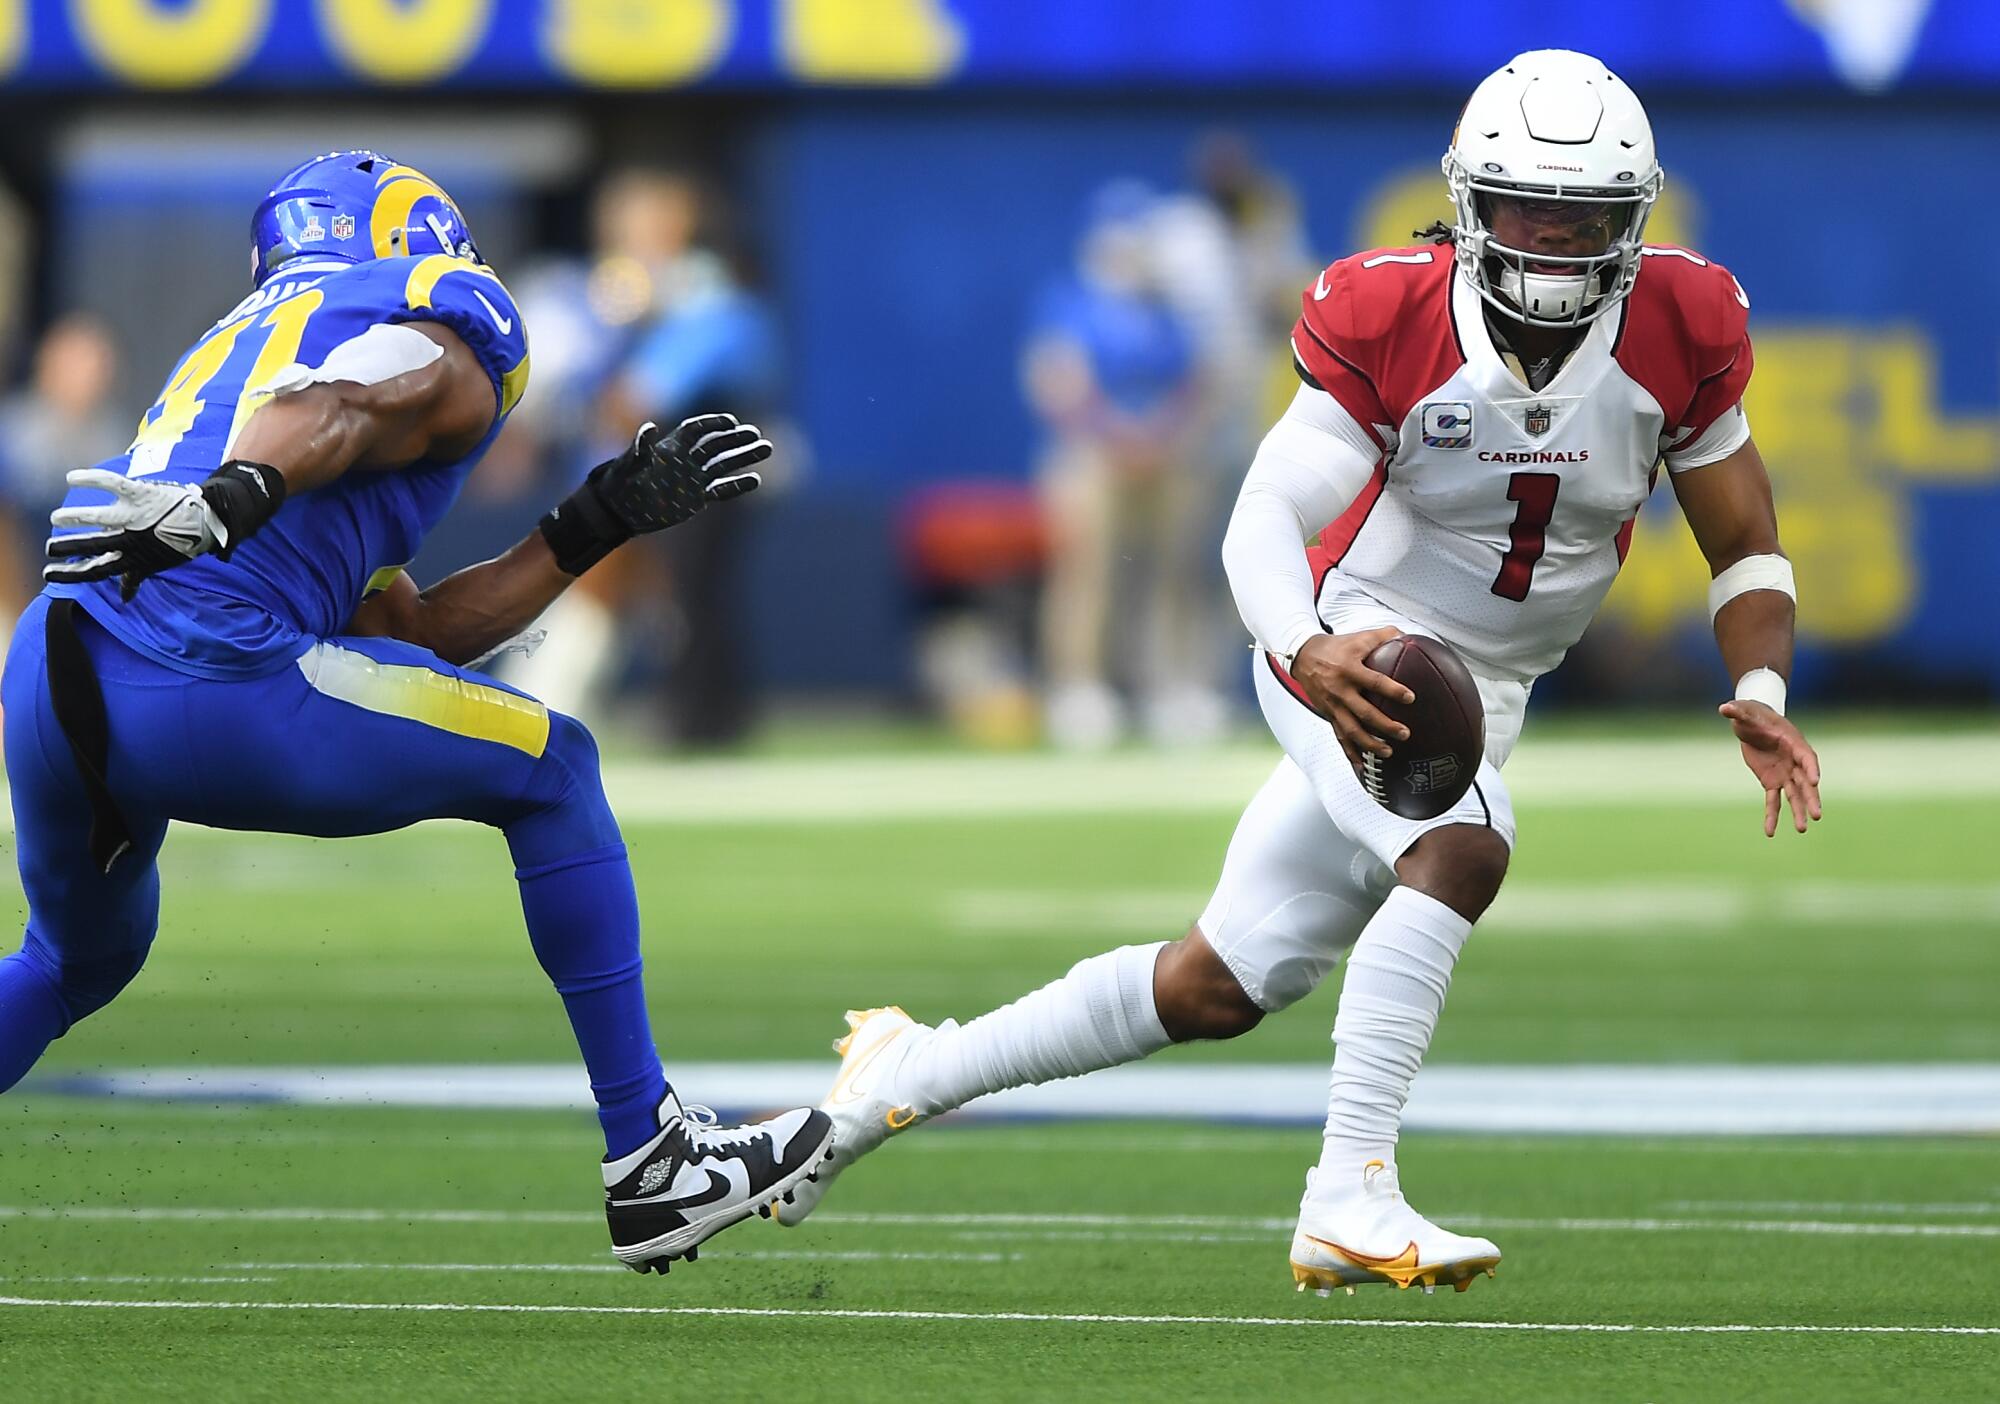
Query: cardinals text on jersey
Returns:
{"type": "Point", "coordinates": [1498, 515]}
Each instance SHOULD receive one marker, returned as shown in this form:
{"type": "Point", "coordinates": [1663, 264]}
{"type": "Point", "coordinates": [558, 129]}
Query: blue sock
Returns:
{"type": "Point", "coordinates": [32, 1015]}
{"type": "Point", "coordinates": [583, 919]}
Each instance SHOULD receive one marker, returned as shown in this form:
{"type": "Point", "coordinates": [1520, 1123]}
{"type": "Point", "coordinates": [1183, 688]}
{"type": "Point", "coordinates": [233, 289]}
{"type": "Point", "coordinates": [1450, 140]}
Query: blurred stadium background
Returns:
{"type": "Point", "coordinates": [1013, 278]}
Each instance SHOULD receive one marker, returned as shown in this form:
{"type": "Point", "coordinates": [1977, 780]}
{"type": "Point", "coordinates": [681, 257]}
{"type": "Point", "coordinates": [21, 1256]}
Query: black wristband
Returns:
{"type": "Point", "coordinates": [582, 530]}
{"type": "Point", "coordinates": [243, 495]}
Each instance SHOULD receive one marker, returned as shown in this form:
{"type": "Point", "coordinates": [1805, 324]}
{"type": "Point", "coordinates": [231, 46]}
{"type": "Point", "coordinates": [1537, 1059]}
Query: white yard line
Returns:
{"type": "Point", "coordinates": [293, 1214]}
{"type": "Point", "coordinates": [1558, 772]}
{"type": "Point", "coordinates": [1593, 909]}
{"type": "Point", "coordinates": [962, 1138]}
{"type": "Point", "coordinates": [1973, 1208]}
{"type": "Point", "coordinates": [777, 1255]}
{"type": "Point", "coordinates": [1180, 1237]}
{"type": "Point", "coordinates": [1675, 773]}
{"type": "Point", "coordinates": [439, 1138]}
{"type": "Point", "coordinates": [1584, 1099]}
{"type": "Point", "coordinates": [1835, 1228]}
{"type": "Point", "coordinates": [128, 1278]}
{"type": "Point", "coordinates": [998, 1225]}
{"type": "Point", "coordinates": [1018, 1317]}
{"type": "Point", "coordinates": [853, 1219]}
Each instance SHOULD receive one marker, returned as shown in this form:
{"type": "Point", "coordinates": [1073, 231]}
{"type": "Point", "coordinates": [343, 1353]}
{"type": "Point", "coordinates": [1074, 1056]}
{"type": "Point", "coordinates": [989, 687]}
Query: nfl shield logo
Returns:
{"type": "Point", "coordinates": [1537, 420]}
{"type": "Point", "coordinates": [343, 226]}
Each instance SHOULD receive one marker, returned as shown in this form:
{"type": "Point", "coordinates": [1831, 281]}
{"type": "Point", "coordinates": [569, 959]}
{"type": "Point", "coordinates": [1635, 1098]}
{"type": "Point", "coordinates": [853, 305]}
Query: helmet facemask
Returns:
{"type": "Point", "coordinates": [1539, 287]}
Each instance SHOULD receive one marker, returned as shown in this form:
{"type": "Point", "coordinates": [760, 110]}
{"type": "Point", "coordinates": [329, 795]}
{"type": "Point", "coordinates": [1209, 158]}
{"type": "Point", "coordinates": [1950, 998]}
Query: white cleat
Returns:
{"type": "Point", "coordinates": [862, 1102]}
{"type": "Point", "coordinates": [1369, 1233]}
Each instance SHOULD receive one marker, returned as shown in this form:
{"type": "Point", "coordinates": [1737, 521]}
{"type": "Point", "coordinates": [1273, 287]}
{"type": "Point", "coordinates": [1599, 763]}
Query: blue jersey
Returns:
{"type": "Point", "coordinates": [1140, 355]}
{"type": "Point", "coordinates": [301, 577]}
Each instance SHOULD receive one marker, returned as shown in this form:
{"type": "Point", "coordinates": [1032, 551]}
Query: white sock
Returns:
{"type": "Point", "coordinates": [1099, 1015]}
{"type": "Point", "coordinates": [1395, 985]}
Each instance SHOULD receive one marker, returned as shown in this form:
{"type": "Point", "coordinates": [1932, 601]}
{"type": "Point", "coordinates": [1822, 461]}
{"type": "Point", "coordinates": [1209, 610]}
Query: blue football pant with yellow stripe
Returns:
{"type": "Point", "coordinates": [361, 736]}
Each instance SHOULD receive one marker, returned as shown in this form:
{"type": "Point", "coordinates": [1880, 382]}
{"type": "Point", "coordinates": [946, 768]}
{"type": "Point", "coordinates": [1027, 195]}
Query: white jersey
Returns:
{"type": "Point", "coordinates": [1498, 516]}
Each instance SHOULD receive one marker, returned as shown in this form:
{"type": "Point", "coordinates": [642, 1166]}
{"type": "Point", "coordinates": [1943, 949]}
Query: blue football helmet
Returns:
{"type": "Point", "coordinates": [353, 206]}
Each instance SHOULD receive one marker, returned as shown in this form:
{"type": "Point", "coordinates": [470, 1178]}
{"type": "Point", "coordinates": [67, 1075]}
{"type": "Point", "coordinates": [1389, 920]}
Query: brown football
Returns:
{"type": "Point", "coordinates": [1430, 772]}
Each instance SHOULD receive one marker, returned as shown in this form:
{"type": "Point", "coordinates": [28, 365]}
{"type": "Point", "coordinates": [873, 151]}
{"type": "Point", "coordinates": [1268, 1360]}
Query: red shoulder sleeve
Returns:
{"type": "Point", "coordinates": [1686, 338]}
{"type": "Point", "coordinates": [1375, 331]}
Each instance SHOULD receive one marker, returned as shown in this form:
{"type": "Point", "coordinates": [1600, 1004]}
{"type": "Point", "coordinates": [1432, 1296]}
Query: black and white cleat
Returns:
{"type": "Point", "coordinates": [694, 1179]}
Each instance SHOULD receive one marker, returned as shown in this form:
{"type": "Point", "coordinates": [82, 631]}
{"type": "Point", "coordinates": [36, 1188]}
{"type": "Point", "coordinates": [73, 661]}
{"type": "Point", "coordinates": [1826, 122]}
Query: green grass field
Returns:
{"type": "Point", "coordinates": [395, 1253]}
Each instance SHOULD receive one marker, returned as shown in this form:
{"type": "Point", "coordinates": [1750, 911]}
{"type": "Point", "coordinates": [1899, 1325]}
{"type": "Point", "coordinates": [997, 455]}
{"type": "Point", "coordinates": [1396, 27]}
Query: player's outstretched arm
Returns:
{"type": "Point", "coordinates": [302, 437]}
{"type": "Point", "coordinates": [1751, 599]}
{"type": "Point", "coordinates": [661, 480]}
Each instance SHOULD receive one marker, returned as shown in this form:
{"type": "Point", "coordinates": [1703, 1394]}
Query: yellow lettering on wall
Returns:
{"type": "Point", "coordinates": [13, 33]}
{"type": "Point", "coordinates": [869, 41]}
{"type": "Point", "coordinates": [159, 45]}
{"type": "Point", "coordinates": [1912, 434]}
{"type": "Point", "coordinates": [1402, 206]}
{"type": "Point", "coordinates": [637, 43]}
{"type": "Point", "coordinates": [1846, 418]}
{"type": "Point", "coordinates": [409, 42]}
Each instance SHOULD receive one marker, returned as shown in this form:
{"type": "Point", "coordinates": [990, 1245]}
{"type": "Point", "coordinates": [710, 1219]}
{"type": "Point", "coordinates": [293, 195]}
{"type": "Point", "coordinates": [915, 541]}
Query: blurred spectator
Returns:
{"type": "Point", "coordinates": [976, 552]}
{"type": "Point", "coordinates": [1231, 258]}
{"type": "Point", "coordinates": [1266, 234]}
{"type": "Point", "coordinates": [1112, 371]}
{"type": "Point", "coordinates": [660, 325]}
{"type": "Point", "coordinates": [17, 232]}
{"type": "Point", "coordinates": [62, 418]}
{"type": "Point", "coordinates": [583, 314]}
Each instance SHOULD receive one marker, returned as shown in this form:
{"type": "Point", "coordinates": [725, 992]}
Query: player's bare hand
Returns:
{"type": "Point", "coordinates": [1344, 689]}
{"type": "Point", "coordinates": [1779, 757]}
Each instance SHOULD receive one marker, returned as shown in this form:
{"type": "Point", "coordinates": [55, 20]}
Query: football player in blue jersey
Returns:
{"type": "Point", "coordinates": [226, 638]}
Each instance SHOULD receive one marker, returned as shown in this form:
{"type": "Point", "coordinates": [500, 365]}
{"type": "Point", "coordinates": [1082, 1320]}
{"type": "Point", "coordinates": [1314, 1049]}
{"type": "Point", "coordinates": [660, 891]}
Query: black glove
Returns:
{"type": "Point", "coordinates": [659, 482]}
{"type": "Point", "coordinates": [150, 525]}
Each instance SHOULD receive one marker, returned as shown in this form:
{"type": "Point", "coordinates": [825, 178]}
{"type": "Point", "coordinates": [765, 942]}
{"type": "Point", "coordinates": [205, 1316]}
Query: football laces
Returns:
{"type": "Point", "coordinates": [1373, 780]}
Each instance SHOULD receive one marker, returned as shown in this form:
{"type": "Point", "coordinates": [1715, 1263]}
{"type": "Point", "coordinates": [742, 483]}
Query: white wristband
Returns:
{"type": "Point", "coordinates": [1762, 685]}
{"type": "Point", "coordinates": [1763, 572]}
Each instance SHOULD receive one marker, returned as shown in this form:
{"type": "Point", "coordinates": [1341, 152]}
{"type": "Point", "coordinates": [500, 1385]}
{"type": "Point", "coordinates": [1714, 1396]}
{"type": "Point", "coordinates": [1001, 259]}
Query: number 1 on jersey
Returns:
{"type": "Point", "coordinates": [1528, 537]}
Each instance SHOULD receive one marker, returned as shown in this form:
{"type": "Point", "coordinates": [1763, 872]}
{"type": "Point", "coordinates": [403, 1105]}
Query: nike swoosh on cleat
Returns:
{"type": "Point", "coordinates": [506, 324]}
{"type": "Point", "coordinates": [1404, 1261]}
{"type": "Point", "coordinates": [718, 1188]}
{"type": "Point", "coordinates": [845, 1091]}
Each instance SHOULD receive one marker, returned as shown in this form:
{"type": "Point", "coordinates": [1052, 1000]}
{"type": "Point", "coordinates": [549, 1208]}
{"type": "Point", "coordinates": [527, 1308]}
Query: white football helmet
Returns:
{"type": "Point", "coordinates": [1554, 128]}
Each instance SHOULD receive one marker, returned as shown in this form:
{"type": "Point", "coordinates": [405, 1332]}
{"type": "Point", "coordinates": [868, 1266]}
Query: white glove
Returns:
{"type": "Point", "coordinates": [150, 525]}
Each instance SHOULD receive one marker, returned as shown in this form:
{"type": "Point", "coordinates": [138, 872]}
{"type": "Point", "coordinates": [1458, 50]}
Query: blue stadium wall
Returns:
{"type": "Point", "coordinates": [917, 169]}
{"type": "Point", "coordinates": [908, 238]}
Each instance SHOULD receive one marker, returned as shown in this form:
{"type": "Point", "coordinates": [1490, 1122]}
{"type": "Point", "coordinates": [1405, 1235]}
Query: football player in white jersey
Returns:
{"type": "Point", "coordinates": [1479, 420]}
